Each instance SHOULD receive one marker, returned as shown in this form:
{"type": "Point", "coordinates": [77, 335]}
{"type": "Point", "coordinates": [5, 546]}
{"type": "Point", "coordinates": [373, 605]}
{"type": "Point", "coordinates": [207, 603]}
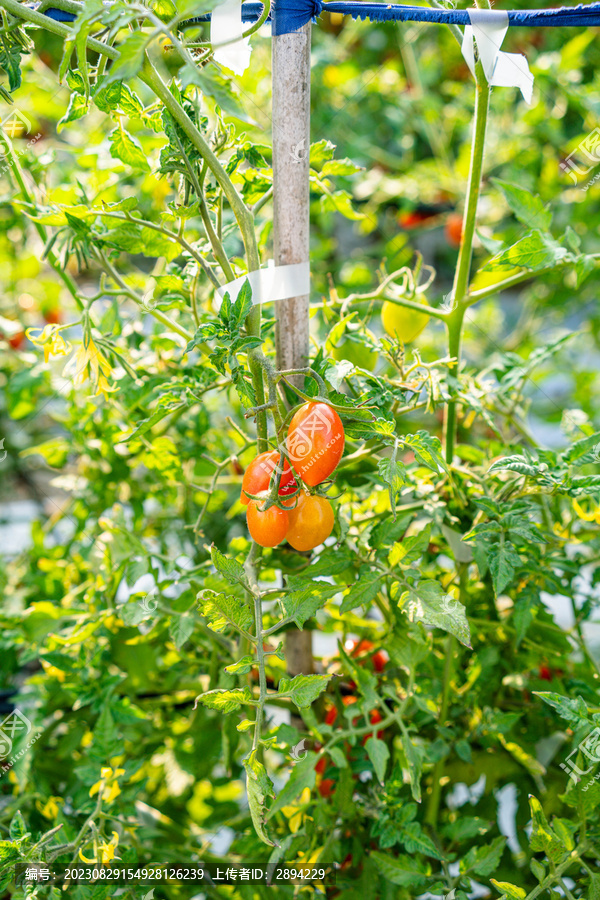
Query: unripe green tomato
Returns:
{"type": "Point", "coordinates": [402, 323]}
{"type": "Point", "coordinates": [356, 351]}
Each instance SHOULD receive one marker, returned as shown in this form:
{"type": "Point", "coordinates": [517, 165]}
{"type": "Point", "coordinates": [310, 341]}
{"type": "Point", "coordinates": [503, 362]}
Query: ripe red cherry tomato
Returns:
{"type": "Point", "coordinates": [326, 787]}
{"type": "Point", "coordinates": [545, 672]}
{"type": "Point", "coordinates": [52, 315]}
{"type": "Point", "coordinates": [258, 474]}
{"type": "Point", "coordinates": [453, 229]}
{"type": "Point", "coordinates": [315, 442]}
{"type": "Point", "coordinates": [311, 522]}
{"type": "Point", "coordinates": [267, 527]}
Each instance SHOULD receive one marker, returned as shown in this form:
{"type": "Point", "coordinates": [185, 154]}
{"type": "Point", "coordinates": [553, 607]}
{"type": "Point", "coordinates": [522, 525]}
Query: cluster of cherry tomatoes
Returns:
{"type": "Point", "coordinates": [365, 653]}
{"type": "Point", "coordinates": [314, 446]}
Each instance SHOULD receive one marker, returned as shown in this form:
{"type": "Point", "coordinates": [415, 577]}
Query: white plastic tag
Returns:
{"type": "Point", "coordinates": [272, 283]}
{"type": "Point", "coordinates": [225, 25]}
{"type": "Point", "coordinates": [488, 27]}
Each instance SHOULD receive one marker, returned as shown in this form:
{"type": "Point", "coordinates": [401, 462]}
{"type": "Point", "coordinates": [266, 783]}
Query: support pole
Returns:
{"type": "Point", "coordinates": [291, 144]}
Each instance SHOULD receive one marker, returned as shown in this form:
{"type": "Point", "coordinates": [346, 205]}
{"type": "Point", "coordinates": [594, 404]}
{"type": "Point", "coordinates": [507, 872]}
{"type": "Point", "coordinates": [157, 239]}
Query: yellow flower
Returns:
{"type": "Point", "coordinates": [295, 812]}
{"type": "Point", "coordinates": [105, 850]}
{"type": "Point", "coordinates": [110, 789]}
{"type": "Point", "coordinates": [591, 514]}
{"type": "Point", "coordinates": [51, 341]}
{"type": "Point", "coordinates": [89, 363]}
{"type": "Point", "coordinates": [51, 808]}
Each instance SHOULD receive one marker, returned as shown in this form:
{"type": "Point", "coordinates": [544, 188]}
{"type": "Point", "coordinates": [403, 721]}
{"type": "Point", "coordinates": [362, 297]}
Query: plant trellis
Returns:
{"type": "Point", "coordinates": [290, 15]}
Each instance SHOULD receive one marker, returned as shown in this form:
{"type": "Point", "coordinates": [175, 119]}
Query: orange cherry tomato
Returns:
{"type": "Point", "coordinates": [267, 527]}
{"type": "Point", "coordinates": [258, 474]}
{"type": "Point", "coordinates": [453, 229]}
{"type": "Point", "coordinates": [311, 522]}
{"type": "Point", "coordinates": [315, 442]}
{"type": "Point", "coordinates": [321, 765]}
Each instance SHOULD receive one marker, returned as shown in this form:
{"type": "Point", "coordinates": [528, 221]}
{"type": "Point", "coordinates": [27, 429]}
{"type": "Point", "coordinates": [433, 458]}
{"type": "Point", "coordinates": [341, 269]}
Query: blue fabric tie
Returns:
{"type": "Point", "coordinates": [290, 15]}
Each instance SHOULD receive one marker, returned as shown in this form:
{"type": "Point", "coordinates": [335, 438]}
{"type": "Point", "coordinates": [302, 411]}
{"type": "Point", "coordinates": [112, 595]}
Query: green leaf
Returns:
{"type": "Point", "coordinates": [510, 891]}
{"type": "Point", "coordinates": [10, 61]}
{"type": "Point", "coordinates": [17, 828]}
{"type": "Point", "coordinates": [303, 775]}
{"type": "Point", "coordinates": [573, 710]}
{"type": "Point", "coordinates": [241, 667]}
{"type": "Point", "coordinates": [594, 888]}
{"type": "Point", "coordinates": [527, 207]}
{"type": "Point", "coordinates": [214, 87]}
{"type": "Point", "coordinates": [227, 701]}
{"type": "Point", "coordinates": [581, 448]}
{"type": "Point", "coordinates": [302, 604]}
{"type": "Point", "coordinates": [223, 610]}
{"type": "Point", "coordinates": [147, 424]}
{"type": "Point", "coordinates": [259, 788]}
{"type": "Point", "coordinates": [427, 450]}
{"type": "Point", "coordinates": [303, 689]}
{"type": "Point", "coordinates": [127, 149]}
{"type": "Point", "coordinates": [411, 548]}
{"type": "Point", "coordinates": [403, 870]}
{"type": "Point", "coordinates": [414, 758]}
{"type": "Point", "coordinates": [542, 836]}
{"type": "Point", "coordinates": [535, 250]}
{"type": "Point", "coordinates": [428, 603]}
{"type": "Point", "coordinates": [378, 754]}
{"type": "Point", "coordinates": [363, 591]}
{"type": "Point", "coordinates": [340, 167]}
{"type": "Point", "coordinates": [503, 560]}
{"type": "Point", "coordinates": [392, 473]}
{"type": "Point", "coordinates": [77, 108]}
{"type": "Point", "coordinates": [484, 860]}
{"type": "Point", "coordinates": [8, 852]}
{"type": "Point", "coordinates": [231, 570]}
{"type": "Point", "coordinates": [415, 841]}
{"type": "Point", "coordinates": [131, 60]}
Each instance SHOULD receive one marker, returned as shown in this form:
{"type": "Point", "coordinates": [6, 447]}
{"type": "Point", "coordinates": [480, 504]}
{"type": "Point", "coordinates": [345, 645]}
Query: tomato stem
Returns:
{"type": "Point", "coordinates": [455, 319]}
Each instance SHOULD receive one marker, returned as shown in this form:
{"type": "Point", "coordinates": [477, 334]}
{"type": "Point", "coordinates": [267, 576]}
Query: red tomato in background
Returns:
{"type": "Point", "coordinates": [315, 442]}
{"type": "Point", "coordinates": [360, 648]}
{"type": "Point", "coordinates": [453, 229]}
{"type": "Point", "coordinates": [267, 527]}
{"type": "Point", "coordinates": [311, 522]}
{"type": "Point", "coordinates": [258, 475]}
{"type": "Point", "coordinates": [17, 340]}
{"type": "Point", "coordinates": [52, 315]}
{"type": "Point", "coordinates": [326, 787]}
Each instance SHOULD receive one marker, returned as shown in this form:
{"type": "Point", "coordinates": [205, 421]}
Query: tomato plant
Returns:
{"type": "Point", "coordinates": [438, 736]}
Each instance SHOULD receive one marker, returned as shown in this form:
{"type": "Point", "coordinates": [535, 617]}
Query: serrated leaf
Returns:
{"type": "Point", "coordinates": [131, 58]}
{"type": "Point", "coordinates": [363, 592]}
{"type": "Point", "coordinates": [573, 710]}
{"type": "Point", "coordinates": [301, 605]}
{"type": "Point", "coordinates": [536, 250]}
{"type": "Point", "coordinates": [509, 890]}
{"type": "Point", "coordinates": [231, 570]}
{"type": "Point", "coordinates": [124, 147]}
{"type": "Point", "coordinates": [414, 758]}
{"type": "Point", "coordinates": [378, 754]}
{"type": "Point", "coordinates": [227, 701]}
{"type": "Point", "coordinates": [428, 603]}
{"type": "Point", "coordinates": [542, 836]}
{"type": "Point", "coordinates": [528, 208]}
{"type": "Point", "coordinates": [392, 473]}
{"type": "Point", "coordinates": [241, 667]}
{"type": "Point", "coordinates": [581, 448]}
{"type": "Point", "coordinates": [223, 610]}
{"type": "Point", "coordinates": [17, 828]}
{"type": "Point", "coordinates": [484, 860]}
{"type": "Point", "coordinates": [416, 841]}
{"type": "Point", "coordinates": [403, 870]}
{"type": "Point", "coordinates": [259, 788]}
{"type": "Point", "coordinates": [303, 689]}
{"type": "Point", "coordinates": [303, 775]}
{"type": "Point", "coordinates": [503, 560]}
